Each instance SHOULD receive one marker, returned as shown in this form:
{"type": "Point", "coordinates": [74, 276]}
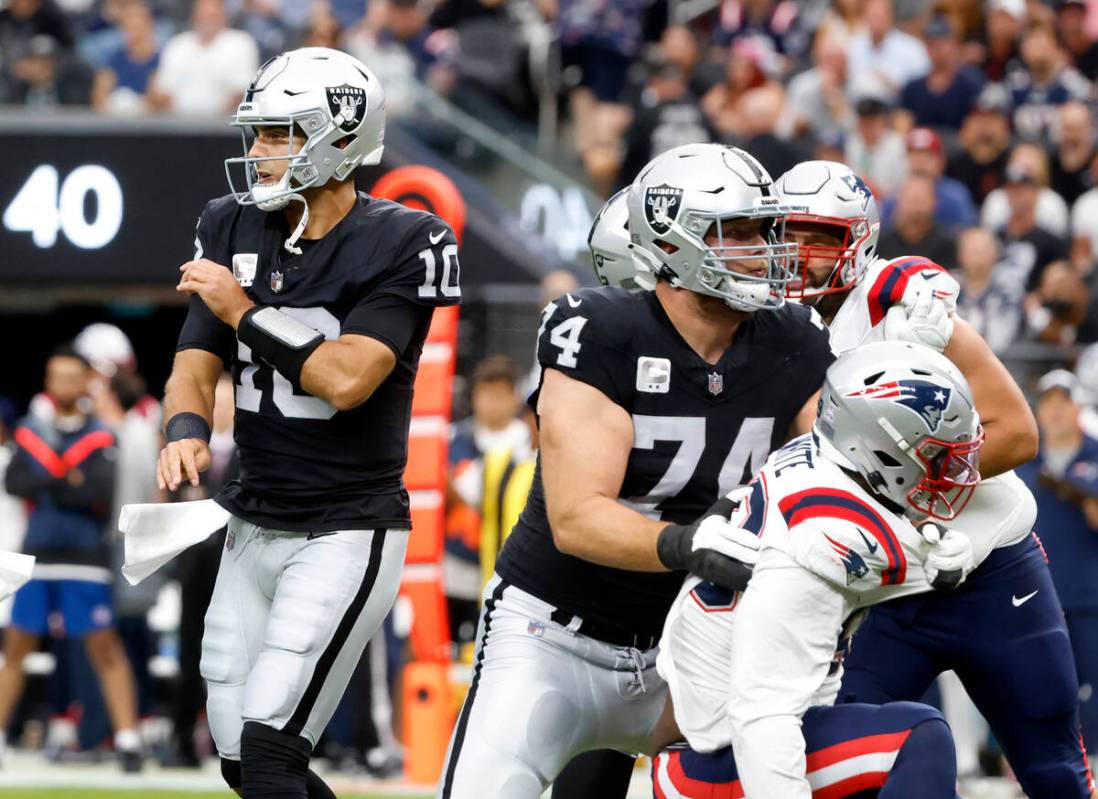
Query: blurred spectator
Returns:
{"type": "Point", "coordinates": [844, 20]}
{"type": "Point", "coordinates": [1084, 225]}
{"type": "Point", "coordinates": [952, 200]}
{"type": "Point", "coordinates": [988, 302]}
{"type": "Point", "coordinates": [599, 39]}
{"type": "Point", "coordinates": [667, 113]}
{"type": "Point", "coordinates": [1045, 82]}
{"type": "Point", "coordinates": [323, 30]}
{"type": "Point", "coordinates": [47, 75]}
{"type": "Point", "coordinates": [276, 25]}
{"type": "Point", "coordinates": [1086, 372]}
{"type": "Point", "coordinates": [981, 162]}
{"type": "Point", "coordinates": [883, 58]}
{"type": "Point", "coordinates": [121, 85]}
{"type": "Point", "coordinates": [775, 22]}
{"type": "Point", "coordinates": [452, 13]}
{"type": "Point", "coordinates": [196, 571]}
{"type": "Point", "coordinates": [1003, 29]}
{"type": "Point", "coordinates": [816, 106]}
{"type": "Point", "coordinates": [21, 22]}
{"type": "Point", "coordinates": [1078, 44]}
{"type": "Point", "coordinates": [204, 71]}
{"type": "Point", "coordinates": [761, 112]}
{"type": "Point", "coordinates": [1061, 310]}
{"type": "Point", "coordinates": [66, 467]}
{"type": "Point", "coordinates": [874, 150]}
{"type": "Point", "coordinates": [913, 231]}
{"type": "Point", "coordinates": [494, 424]}
{"type": "Point", "coordinates": [1074, 152]}
{"type": "Point", "coordinates": [943, 97]}
{"type": "Point", "coordinates": [1026, 209]}
{"type": "Point", "coordinates": [724, 103]}
{"type": "Point", "coordinates": [1064, 481]}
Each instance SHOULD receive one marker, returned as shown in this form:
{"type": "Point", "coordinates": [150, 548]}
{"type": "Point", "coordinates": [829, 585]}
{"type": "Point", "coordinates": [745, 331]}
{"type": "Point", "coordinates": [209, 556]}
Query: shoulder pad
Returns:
{"type": "Point", "coordinates": [838, 523]}
{"type": "Point", "coordinates": [889, 283]}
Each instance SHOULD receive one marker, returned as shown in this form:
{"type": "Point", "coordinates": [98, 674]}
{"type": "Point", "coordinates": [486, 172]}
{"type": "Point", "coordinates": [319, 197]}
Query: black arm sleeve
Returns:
{"type": "Point", "coordinates": [201, 329]}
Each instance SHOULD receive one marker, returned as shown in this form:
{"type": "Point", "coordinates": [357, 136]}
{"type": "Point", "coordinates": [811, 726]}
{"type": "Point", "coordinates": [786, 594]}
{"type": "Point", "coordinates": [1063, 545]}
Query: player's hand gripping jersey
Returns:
{"type": "Point", "coordinates": [1002, 510]}
{"type": "Point", "coordinates": [304, 465]}
{"type": "Point", "coordinates": [698, 432]}
{"type": "Point", "coordinates": [810, 515]}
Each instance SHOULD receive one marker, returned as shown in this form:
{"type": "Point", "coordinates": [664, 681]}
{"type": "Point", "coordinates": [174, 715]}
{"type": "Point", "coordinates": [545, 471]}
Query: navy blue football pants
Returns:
{"type": "Point", "coordinates": [1083, 626]}
{"type": "Point", "coordinates": [1003, 633]}
{"type": "Point", "coordinates": [901, 750]}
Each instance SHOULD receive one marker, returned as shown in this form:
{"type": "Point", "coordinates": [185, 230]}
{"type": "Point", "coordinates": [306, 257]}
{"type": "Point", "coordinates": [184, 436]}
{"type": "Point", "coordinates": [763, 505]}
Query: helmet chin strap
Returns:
{"type": "Point", "coordinates": [290, 243]}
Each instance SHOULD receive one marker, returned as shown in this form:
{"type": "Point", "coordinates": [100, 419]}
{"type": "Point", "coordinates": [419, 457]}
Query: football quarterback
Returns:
{"type": "Point", "coordinates": [318, 298]}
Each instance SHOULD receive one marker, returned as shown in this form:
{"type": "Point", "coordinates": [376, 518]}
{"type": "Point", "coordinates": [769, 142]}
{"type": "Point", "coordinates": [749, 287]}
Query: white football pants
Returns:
{"type": "Point", "coordinates": [540, 695]}
{"type": "Point", "coordinates": [289, 618]}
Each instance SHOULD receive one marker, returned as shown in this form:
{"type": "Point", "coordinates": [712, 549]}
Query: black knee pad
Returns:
{"type": "Point", "coordinates": [230, 772]}
{"type": "Point", "coordinates": [275, 764]}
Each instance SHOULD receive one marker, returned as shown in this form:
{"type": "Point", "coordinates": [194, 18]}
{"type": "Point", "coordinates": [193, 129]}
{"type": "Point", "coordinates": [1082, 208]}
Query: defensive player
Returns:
{"type": "Point", "coordinates": [1003, 632]}
{"type": "Point", "coordinates": [319, 298]}
{"type": "Point", "coordinates": [651, 405]}
{"type": "Point", "coordinates": [836, 511]}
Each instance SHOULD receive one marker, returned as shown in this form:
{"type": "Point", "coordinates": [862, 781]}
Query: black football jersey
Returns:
{"type": "Point", "coordinates": [698, 432]}
{"type": "Point", "coordinates": [304, 465]}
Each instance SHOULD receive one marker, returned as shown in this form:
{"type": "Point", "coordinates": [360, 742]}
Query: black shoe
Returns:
{"type": "Point", "coordinates": [177, 757]}
{"type": "Point", "coordinates": [131, 760]}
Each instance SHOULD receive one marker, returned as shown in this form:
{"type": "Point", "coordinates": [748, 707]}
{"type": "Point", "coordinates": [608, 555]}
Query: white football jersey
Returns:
{"type": "Point", "coordinates": [808, 514]}
{"type": "Point", "coordinates": [1002, 510]}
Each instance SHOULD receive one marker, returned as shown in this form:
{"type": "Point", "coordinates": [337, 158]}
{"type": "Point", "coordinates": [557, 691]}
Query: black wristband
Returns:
{"type": "Point", "coordinates": [670, 545]}
{"type": "Point", "coordinates": [187, 425]}
{"type": "Point", "coordinates": [279, 340]}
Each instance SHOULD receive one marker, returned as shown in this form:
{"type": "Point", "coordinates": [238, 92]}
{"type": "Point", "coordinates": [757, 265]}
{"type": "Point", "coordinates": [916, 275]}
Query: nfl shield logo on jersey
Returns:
{"type": "Point", "coordinates": [276, 281]}
{"type": "Point", "coordinates": [716, 383]}
{"type": "Point", "coordinates": [347, 104]}
{"type": "Point", "coordinates": [661, 206]}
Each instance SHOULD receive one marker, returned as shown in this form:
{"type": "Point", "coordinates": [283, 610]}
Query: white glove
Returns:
{"type": "Point", "coordinates": [925, 321]}
{"type": "Point", "coordinates": [720, 535]}
{"type": "Point", "coordinates": [951, 557]}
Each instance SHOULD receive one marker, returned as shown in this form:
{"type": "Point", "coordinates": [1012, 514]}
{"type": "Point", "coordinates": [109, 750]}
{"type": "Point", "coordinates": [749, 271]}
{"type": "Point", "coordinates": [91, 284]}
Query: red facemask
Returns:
{"type": "Point", "coordinates": [843, 257]}
{"type": "Point", "coordinates": [952, 473]}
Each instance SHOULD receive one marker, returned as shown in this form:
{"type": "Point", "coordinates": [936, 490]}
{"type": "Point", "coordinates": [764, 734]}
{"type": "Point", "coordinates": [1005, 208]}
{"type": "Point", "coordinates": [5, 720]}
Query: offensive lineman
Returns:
{"type": "Point", "coordinates": [897, 443]}
{"type": "Point", "coordinates": [651, 405]}
{"type": "Point", "coordinates": [1003, 631]}
{"type": "Point", "coordinates": [319, 298]}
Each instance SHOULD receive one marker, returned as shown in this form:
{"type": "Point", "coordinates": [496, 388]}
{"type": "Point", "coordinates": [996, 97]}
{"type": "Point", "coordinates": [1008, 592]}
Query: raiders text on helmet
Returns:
{"type": "Point", "coordinates": [683, 196]}
{"type": "Point", "coordinates": [327, 96]}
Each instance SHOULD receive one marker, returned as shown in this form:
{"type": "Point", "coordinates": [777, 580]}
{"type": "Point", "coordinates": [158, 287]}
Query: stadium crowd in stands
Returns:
{"type": "Point", "coordinates": [972, 120]}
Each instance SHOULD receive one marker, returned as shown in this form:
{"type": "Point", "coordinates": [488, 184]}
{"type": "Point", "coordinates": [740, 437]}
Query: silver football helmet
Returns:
{"type": "Point", "coordinates": [902, 416]}
{"type": "Point", "coordinates": [611, 250]}
{"type": "Point", "coordinates": [679, 206]}
{"type": "Point", "coordinates": [830, 196]}
{"type": "Point", "coordinates": [326, 95]}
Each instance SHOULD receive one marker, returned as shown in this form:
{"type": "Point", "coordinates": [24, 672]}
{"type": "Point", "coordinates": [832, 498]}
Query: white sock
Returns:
{"type": "Point", "coordinates": [127, 740]}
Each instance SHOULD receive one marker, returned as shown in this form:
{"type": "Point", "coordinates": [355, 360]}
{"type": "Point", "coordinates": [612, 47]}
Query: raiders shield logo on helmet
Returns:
{"type": "Point", "coordinates": [661, 206]}
{"type": "Point", "coordinates": [347, 104]}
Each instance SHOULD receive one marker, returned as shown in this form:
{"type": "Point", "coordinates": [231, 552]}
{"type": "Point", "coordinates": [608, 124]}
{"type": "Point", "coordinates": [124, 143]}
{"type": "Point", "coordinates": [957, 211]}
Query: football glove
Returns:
{"type": "Point", "coordinates": [951, 557]}
{"type": "Point", "coordinates": [922, 318]}
{"type": "Point", "coordinates": [711, 548]}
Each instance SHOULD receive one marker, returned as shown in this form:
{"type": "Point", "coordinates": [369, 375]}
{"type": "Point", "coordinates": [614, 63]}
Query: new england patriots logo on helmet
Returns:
{"type": "Point", "coordinates": [928, 400]}
{"type": "Point", "coordinates": [858, 186]}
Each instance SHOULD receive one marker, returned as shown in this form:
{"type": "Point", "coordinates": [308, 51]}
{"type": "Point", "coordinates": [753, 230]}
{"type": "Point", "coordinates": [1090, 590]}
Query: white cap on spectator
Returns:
{"type": "Point", "coordinates": [105, 346]}
{"type": "Point", "coordinates": [1016, 8]}
{"type": "Point", "coordinates": [1058, 378]}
